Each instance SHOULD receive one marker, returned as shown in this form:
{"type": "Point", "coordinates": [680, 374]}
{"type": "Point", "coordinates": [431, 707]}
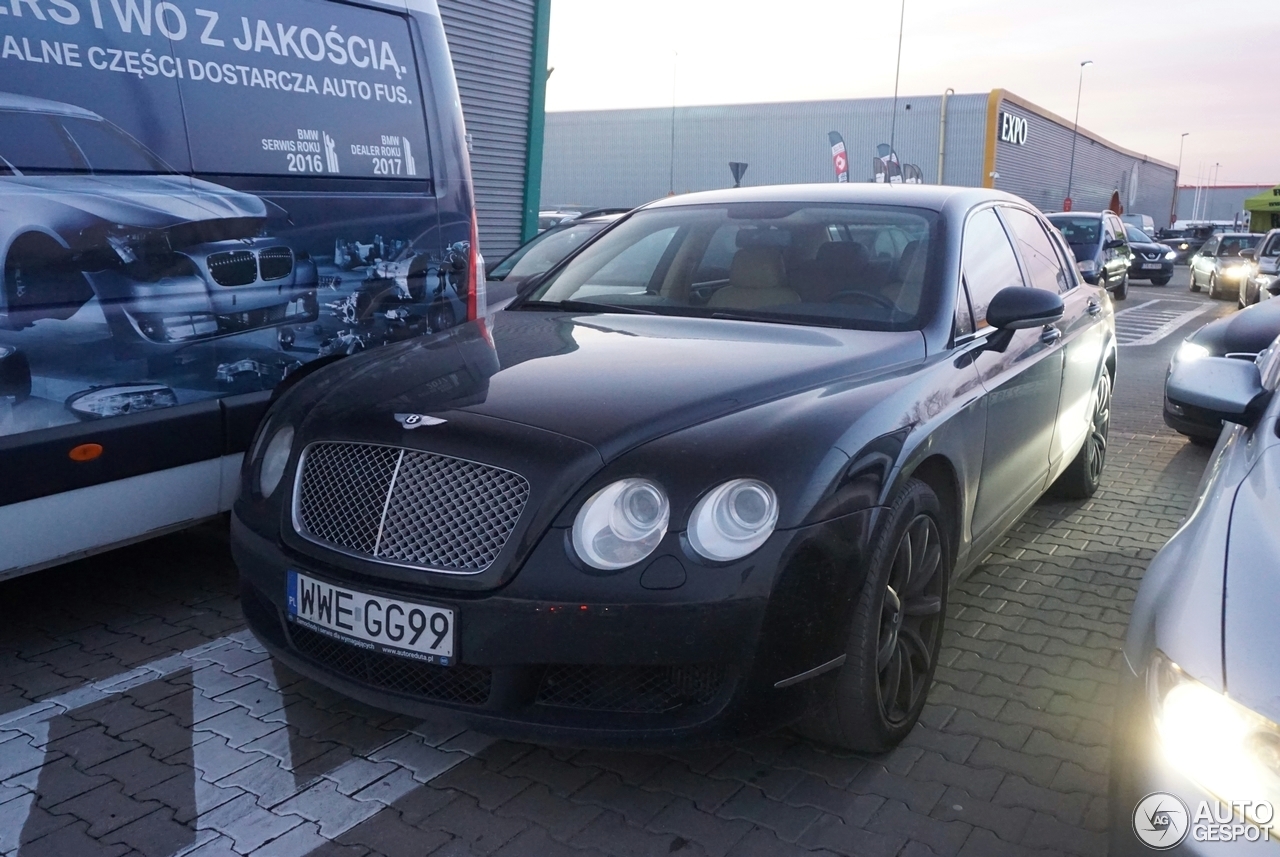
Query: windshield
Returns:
{"type": "Point", "coordinates": [545, 251]}
{"type": "Point", "coordinates": [1272, 247]}
{"type": "Point", "coordinates": [1232, 244]}
{"type": "Point", "coordinates": [1079, 231]}
{"type": "Point", "coordinates": [41, 142]}
{"type": "Point", "coordinates": [858, 266]}
{"type": "Point", "coordinates": [1137, 236]}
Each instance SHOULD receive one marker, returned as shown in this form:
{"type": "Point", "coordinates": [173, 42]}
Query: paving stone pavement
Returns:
{"type": "Point", "coordinates": [137, 717]}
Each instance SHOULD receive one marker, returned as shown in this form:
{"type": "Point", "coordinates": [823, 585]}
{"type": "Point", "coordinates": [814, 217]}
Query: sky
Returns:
{"type": "Point", "coordinates": [1160, 68]}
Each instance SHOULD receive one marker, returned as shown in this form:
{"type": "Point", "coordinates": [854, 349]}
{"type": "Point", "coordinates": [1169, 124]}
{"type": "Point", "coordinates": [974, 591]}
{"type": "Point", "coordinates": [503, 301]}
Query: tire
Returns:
{"type": "Point", "coordinates": [1122, 291]}
{"type": "Point", "coordinates": [1195, 287]}
{"type": "Point", "coordinates": [1083, 475]}
{"type": "Point", "coordinates": [1160, 281]}
{"type": "Point", "coordinates": [1203, 442]}
{"type": "Point", "coordinates": [889, 633]}
{"type": "Point", "coordinates": [1213, 287]}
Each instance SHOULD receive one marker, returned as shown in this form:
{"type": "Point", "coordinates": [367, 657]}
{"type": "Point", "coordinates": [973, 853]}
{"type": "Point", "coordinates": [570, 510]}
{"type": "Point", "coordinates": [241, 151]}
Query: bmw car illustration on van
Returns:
{"type": "Point", "coordinates": [88, 211]}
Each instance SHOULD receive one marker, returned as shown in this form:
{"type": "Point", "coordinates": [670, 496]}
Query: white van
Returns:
{"type": "Point", "coordinates": [1141, 221]}
{"type": "Point", "coordinates": [267, 187]}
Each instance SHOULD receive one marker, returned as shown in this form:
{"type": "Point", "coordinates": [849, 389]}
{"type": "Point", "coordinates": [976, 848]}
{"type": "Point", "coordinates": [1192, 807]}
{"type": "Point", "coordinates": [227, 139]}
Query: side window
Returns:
{"type": "Point", "coordinates": [988, 262]}
{"type": "Point", "coordinates": [1044, 266]}
{"type": "Point", "coordinates": [1210, 247]}
{"type": "Point", "coordinates": [1066, 258]}
{"type": "Point", "coordinates": [719, 255]}
{"type": "Point", "coordinates": [1117, 227]}
{"type": "Point", "coordinates": [633, 269]}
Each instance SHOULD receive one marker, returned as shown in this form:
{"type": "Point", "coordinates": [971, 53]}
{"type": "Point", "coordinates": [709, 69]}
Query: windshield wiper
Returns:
{"type": "Point", "coordinates": [767, 318]}
{"type": "Point", "coordinates": [586, 306]}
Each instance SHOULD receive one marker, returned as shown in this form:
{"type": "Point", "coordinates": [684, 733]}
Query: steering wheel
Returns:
{"type": "Point", "coordinates": [878, 300]}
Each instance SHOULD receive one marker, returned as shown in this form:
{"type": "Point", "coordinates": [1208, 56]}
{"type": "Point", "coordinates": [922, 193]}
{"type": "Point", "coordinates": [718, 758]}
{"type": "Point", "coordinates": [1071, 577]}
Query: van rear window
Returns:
{"type": "Point", "coordinates": [302, 87]}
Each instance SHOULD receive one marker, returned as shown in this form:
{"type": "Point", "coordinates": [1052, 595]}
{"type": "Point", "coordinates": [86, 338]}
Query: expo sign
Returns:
{"type": "Point", "coordinates": [1013, 129]}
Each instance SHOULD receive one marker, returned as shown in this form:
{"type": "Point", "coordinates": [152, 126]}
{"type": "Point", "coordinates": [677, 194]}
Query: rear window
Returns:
{"type": "Point", "coordinates": [302, 87]}
{"type": "Point", "coordinates": [1079, 230]}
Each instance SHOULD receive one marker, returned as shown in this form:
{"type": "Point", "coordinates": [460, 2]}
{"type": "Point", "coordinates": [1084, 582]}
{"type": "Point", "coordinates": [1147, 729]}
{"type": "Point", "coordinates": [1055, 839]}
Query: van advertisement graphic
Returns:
{"type": "Point", "coordinates": [196, 201]}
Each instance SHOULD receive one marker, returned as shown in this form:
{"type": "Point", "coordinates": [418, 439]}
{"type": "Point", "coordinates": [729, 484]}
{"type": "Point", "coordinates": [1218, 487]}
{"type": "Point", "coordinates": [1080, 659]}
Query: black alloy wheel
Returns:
{"type": "Point", "coordinates": [875, 698]}
{"type": "Point", "coordinates": [910, 619]}
{"type": "Point", "coordinates": [1083, 475]}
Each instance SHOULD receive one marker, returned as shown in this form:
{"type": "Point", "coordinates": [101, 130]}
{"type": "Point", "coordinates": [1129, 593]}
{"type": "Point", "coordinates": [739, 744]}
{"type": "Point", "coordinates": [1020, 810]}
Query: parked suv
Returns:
{"type": "Point", "coordinates": [1221, 265]}
{"type": "Point", "coordinates": [1101, 249]}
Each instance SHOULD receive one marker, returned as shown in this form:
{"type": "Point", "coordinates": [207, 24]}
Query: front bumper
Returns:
{"type": "Point", "coordinates": [1192, 424]}
{"type": "Point", "coordinates": [1139, 768]}
{"type": "Point", "coordinates": [1138, 272]}
{"type": "Point", "coordinates": [632, 666]}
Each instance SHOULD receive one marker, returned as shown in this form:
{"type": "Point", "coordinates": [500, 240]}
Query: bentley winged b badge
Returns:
{"type": "Point", "coordinates": [413, 421]}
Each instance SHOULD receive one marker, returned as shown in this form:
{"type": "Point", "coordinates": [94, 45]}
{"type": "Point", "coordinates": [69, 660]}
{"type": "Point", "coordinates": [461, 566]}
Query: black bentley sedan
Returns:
{"type": "Point", "coordinates": [714, 473]}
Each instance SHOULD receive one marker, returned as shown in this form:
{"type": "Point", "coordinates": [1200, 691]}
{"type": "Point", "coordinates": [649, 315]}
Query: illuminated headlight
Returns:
{"type": "Point", "coordinates": [1184, 246]}
{"type": "Point", "coordinates": [1190, 351]}
{"type": "Point", "coordinates": [621, 524]}
{"type": "Point", "coordinates": [121, 399]}
{"type": "Point", "coordinates": [1231, 751]}
{"type": "Point", "coordinates": [1170, 256]}
{"type": "Point", "coordinates": [1237, 272]}
{"type": "Point", "coordinates": [274, 459]}
{"type": "Point", "coordinates": [733, 520]}
{"type": "Point", "coordinates": [1087, 267]}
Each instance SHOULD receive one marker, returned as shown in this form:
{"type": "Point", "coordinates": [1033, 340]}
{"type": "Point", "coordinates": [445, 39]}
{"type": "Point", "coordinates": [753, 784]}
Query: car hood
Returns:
{"type": "Point", "coordinates": [1251, 634]}
{"type": "Point", "coordinates": [1152, 247]}
{"type": "Point", "coordinates": [148, 201]}
{"type": "Point", "coordinates": [610, 381]}
{"type": "Point", "coordinates": [1248, 331]}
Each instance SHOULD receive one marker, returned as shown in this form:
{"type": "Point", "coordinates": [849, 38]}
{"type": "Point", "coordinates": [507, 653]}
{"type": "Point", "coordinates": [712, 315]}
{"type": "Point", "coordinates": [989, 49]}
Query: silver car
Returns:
{"type": "Point", "coordinates": [87, 211]}
{"type": "Point", "coordinates": [1222, 266]}
{"type": "Point", "coordinates": [1265, 282]}
{"type": "Point", "coordinates": [1196, 754]}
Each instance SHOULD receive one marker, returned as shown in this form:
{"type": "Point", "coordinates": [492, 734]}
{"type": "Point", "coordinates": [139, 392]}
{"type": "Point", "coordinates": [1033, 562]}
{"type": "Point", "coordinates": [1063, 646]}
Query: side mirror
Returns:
{"type": "Point", "coordinates": [1019, 307]}
{"type": "Point", "coordinates": [1249, 254]}
{"type": "Point", "coordinates": [1114, 244]}
{"type": "Point", "coordinates": [1219, 387]}
{"type": "Point", "coordinates": [15, 374]}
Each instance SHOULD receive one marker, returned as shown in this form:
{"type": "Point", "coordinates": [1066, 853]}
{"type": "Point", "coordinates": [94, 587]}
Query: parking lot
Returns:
{"type": "Point", "coordinates": [138, 717]}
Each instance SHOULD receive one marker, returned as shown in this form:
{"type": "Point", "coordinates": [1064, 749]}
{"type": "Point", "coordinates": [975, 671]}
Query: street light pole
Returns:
{"type": "Point", "coordinates": [1173, 211]}
{"type": "Point", "coordinates": [1075, 130]}
{"type": "Point", "coordinates": [893, 126]}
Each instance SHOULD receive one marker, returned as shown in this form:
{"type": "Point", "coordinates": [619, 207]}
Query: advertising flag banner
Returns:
{"type": "Point", "coordinates": [839, 157]}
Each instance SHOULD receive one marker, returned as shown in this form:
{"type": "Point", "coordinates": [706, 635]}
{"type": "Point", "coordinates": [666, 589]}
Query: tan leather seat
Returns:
{"type": "Point", "coordinates": [757, 278]}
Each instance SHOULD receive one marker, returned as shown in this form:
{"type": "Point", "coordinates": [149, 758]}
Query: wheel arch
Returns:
{"type": "Point", "coordinates": [939, 473]}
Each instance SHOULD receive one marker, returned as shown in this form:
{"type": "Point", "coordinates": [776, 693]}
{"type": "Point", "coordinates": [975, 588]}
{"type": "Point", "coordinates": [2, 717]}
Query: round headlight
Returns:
{"type": "Point", "coordinates": [274, 460]}
{"type": "Point", "coordinates": [733, 520]}
{"type": "Point", "coordinates": [621, 524]}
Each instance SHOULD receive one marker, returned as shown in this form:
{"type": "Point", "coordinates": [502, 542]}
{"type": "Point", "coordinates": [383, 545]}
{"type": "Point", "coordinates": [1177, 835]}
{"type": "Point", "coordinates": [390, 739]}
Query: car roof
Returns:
{"type": "Point", "coordinates": [1079, 214]}
{"type": "Point", "coordinates": [934, 197]}
{"type": "Point", "coordinates": [28, 104]}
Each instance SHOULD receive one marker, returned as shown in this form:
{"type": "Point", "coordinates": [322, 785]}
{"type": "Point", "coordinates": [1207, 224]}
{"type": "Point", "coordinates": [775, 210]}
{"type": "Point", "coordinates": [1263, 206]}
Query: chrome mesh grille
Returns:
{"type": "Point", "coordinates": [407, 507]}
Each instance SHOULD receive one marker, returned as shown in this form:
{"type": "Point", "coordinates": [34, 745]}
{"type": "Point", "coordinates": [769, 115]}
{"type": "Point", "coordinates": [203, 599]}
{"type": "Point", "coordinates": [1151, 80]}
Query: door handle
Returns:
{"type": "Point", "coordinates": [1094, 307]}
{"type": "Point", "coordinates": [1050, 335]}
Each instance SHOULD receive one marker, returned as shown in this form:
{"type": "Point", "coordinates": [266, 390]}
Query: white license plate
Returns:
{"type": "Point", "coordinates": [419, 631]}
{"type": "Point", "coordinates": [1151, 266]}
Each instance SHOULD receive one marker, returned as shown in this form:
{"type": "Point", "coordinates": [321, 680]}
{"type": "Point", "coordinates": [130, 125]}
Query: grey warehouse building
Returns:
{"type": "Point", "coordinates": [996, 139]}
